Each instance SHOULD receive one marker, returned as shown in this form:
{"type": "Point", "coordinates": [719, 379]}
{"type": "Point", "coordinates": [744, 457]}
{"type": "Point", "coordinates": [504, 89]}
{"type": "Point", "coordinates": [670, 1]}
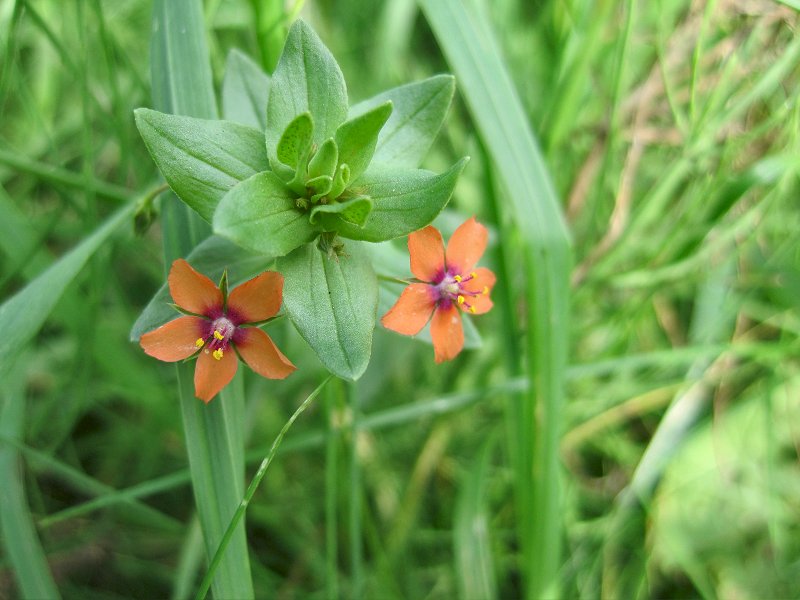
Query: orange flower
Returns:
{"type": "Point", "coordinates": [218, 326]}
{"type": "Point", "coordinates": [449, 281]}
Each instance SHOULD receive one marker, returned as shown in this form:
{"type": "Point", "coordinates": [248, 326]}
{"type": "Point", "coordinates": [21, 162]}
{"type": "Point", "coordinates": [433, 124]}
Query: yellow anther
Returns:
{"type": "Point", "coordinates": [473, 274]}
{"type": "Point", "coordinates": [485, 290]}
{"type": "Point", "coordinates": [217, 334]}
{"type": "Point", "coordinates": [460, 299]}
{"type": "Point", "coordinates": [217, 354]}
{"type": "Point", "coordinates": [472, 309]}
{"type": "Point", "coordinates": [457, 278]}
{"type": "Point", "coordinates": [200, 342]}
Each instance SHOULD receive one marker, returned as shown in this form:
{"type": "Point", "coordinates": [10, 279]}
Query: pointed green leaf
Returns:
{"type": "Point", "coordinates": [332, 302]}
{"type": "Point", "coordinates": [307, 79]}
{"type": "Point", "coordinates": [357, 137]}
{"type": "Point", "coordinates": [404, 200]}
{"type": "Point", "coordinates": [212, 257]}
{"type": "Point", "coordinates": [200, 159]}
{"type": "Point", "coordinates": [354, 211]}
{"type": "Point", "coordinates": [260, 214]}
{"type": "Point", "coordinates": [340, 181]}
{"type": "Point", "coordinates": [245, 90]}
{"type": "Point", "coordinates": [418, 112]}
{"type": "Point", "coordinates": [325, 160]}
{"type": "Point", "coordinates": [295, 141]}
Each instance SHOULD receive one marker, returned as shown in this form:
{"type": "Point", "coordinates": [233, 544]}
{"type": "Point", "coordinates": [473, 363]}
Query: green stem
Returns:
{"type": "Point", "coordinates": [251, 490]}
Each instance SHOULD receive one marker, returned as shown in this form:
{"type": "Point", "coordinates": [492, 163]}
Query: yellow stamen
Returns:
{"type": "Point", "coordinates": [473, 274]}
{"type": "Point", "coordinates": [200, 342]}
{"type": "Point", "coordinates": [217, 334]}
{"type": "Point", "coordinates": [485, 290]}
{"type": "Point", "coordinates": [217, 354]}
{"type": "Point", "coordinates": [472, 309]}
{"type": "Point", "coordinates": [457, 278]}
{"type": "Point", "coordinates": [460, 299]}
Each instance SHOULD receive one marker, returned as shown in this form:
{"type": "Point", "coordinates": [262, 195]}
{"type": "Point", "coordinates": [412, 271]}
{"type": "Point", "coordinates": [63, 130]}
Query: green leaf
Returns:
{"type": "Point", "coordinates": [307, 79]}
{"type": "Point", "coordinates": [212, 257]}
{"type": "Point", "coordinates": [354, 211]}
{"type": "Point", "coordinates": [404, 200]}
{"type": "Point", "coordinates": [201, 159]}
{"type": "Point", "coordinates": [357, 137]}
{"type": "Point", "coordinates": [340, 180]}
{"type": "Point", "coordinates": [245, 90]}
{"type": "Point", "coordinates": [295, 141]}
{"type": "Point", "coordinates": [260, 214]}
{"type": "Point", "coordinates": [325, 160]}
{"type": "Point", "coordinates": [418, 112]}
{"type": "Point", "coordinates": [332, 302]}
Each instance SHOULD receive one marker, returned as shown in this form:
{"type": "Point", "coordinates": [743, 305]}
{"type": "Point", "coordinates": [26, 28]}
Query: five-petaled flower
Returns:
{"type": "Point", "coordinates": [449, 281]}
{"type": "Point", "coordinates": [218, 326]}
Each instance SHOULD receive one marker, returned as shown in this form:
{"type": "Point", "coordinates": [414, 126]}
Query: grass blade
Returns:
{"type": "Point", "coordinates": [19, 539]}
{"type": "Point", "coordinates": [472, 51]}
{"type": "Point", "coordinates": [182, 85]}
{"type": "Point", "coordinates": [29, 308]}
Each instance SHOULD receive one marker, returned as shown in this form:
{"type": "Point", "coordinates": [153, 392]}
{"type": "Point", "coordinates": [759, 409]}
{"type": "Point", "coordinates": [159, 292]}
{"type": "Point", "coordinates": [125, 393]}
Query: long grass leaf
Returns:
{"type": "Point", "coordinates": [19, 539]}
{"type": "Point", "coordinates": [182, 85]}
{"type": "Point", "coordinates": [29, 308]}
{"type": "Point", "coordinates": [472, 51]}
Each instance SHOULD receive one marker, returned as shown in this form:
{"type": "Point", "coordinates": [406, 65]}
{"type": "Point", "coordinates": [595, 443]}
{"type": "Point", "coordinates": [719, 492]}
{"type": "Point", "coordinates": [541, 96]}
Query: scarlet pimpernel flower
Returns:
{"type": "Point", "coordinates": [448, 281]}
{"type": "Point", "coordinates": [217, 326]}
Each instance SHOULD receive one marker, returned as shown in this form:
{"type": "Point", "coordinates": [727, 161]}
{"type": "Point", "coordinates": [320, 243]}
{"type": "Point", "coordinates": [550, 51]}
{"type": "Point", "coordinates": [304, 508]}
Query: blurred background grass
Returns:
{"type": "Point", "coordinates": [670, 130]}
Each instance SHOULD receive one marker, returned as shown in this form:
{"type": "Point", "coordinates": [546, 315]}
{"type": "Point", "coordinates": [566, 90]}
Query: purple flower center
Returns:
{"type": "Point", "coordinates": [222, 330]}
{"type": "Point", "coordinates": [218, 334]}
{"type": "Point", "coordinates": [451, 289]}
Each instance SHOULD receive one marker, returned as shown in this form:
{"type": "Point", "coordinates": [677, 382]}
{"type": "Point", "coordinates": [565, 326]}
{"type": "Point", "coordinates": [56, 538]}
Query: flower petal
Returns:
{"type": "Point", "coordinates": [257, 299]}
{"type": "Point", "coordinates": [466, 246]}
{"type": "Point", "coordinates": [261, 354]}
{"type": "Point", "coordinates": [194, 291]}
{"type": "Point", "coordinates": [211, 375]}
{"type": "Point", "coordinates": [426, 250]}
{"type": "Point", "coordinates": [175, 340]}
{"type": "Point", "coordinates": [447, 333]}
{"type": "Point", "coordinates": [411, 311]}
{"type": "Point", "coordinates": [482, 282]}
